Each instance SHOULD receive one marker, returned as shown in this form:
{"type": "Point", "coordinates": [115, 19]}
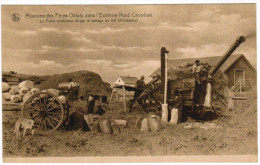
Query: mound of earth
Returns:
{"type": "Point", "coordinates": [88, 81]}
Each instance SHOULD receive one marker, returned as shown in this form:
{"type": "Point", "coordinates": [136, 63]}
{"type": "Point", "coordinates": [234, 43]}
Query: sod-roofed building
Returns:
{"type": "Point", "coordinates": [237, 68]}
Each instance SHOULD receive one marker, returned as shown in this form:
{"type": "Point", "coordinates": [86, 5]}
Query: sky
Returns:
{"type": "Point", "coordinates": [113, 49]}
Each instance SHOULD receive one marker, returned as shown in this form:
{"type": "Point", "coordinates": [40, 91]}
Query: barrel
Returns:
{"type": "Point", "coordinates": [174, 116]}
{"type": "Point", "coordinates": [105, 126]}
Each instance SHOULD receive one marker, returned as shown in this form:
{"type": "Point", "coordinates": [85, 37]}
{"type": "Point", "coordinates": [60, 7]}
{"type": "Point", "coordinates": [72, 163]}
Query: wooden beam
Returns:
{"type": "Point", "coordinates": [124, 98]}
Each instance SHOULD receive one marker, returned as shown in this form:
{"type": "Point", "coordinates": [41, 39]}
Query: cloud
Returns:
{"type": "Point", "coordinates": [113, 49]}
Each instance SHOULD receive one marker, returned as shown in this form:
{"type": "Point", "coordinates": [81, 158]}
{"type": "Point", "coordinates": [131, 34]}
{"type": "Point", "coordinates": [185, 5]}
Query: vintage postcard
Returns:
{"type": "Point", "coordinates": [129, 83]}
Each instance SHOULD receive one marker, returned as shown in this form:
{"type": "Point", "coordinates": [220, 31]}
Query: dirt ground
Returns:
{"type": "Point", "coordinates": [230, 135]}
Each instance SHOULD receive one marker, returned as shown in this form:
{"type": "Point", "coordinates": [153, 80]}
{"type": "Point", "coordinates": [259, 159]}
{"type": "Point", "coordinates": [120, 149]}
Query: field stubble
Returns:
{"type": "Point", "coordinates": [234, 137]}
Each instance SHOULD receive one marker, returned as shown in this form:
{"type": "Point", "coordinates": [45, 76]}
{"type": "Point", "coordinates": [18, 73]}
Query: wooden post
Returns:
{"type": "Point", "coordinates": [124, 98]}
{"type": "Point", "coordinates": [231, 101]}
{"type": "Point", "coordinates": [110, 98]}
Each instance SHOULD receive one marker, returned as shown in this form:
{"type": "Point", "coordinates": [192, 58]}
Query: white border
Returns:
{"type": "Point", "coordinates": [111, 2]}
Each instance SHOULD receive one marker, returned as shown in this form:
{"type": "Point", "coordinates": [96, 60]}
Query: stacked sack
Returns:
{"type": "Point", "coordinates": [24, 90]}
{"type": "Point", "coordinates": [151, 123]}
{"type": "Point", "coordinates": [17, 94]}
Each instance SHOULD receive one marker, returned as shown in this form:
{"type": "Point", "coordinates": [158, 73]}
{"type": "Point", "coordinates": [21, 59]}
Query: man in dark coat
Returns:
{"type": "Point", "coordinates": [91, 104]}
{"type": "Point", "coordinates": [73, 90]}
{"type": "Point", "coordinates": [140, 86]}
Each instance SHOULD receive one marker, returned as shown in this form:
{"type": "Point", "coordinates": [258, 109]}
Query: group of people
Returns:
{"type": "Point", "coordinates": [140, 87]}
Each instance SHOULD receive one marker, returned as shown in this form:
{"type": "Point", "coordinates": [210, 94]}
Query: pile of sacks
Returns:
{"type": "Point", "coordinates": [24, 90]}
{"type": "Point", "coordinates": [151, 123]}
{"type": "Point", "coordinates": [97, 123]}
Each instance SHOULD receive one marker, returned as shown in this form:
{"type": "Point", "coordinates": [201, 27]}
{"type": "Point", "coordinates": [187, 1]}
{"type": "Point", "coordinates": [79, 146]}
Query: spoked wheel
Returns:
{"type": "Point", "coordinates": [45, 109]}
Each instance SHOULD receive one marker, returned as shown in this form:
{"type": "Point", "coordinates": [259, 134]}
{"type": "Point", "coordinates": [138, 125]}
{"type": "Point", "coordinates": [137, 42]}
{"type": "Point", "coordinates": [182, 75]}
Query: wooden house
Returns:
{"type": "Point", "coordinates": [125, 81]}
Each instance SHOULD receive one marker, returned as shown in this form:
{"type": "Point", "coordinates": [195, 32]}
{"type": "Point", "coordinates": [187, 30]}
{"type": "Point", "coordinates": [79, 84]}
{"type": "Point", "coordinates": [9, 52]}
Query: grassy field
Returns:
{"type": "Point", "coordinates": [235, 134]}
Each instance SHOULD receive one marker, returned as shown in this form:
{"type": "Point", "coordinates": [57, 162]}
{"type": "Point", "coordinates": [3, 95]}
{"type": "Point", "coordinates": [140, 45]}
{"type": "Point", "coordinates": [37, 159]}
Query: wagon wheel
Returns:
{"type": "Point", "coordinates": [45, 109]}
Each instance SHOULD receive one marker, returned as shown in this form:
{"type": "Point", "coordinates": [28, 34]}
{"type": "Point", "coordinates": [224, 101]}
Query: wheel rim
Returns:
{"type": "Point", "coordinates": [45, 109]}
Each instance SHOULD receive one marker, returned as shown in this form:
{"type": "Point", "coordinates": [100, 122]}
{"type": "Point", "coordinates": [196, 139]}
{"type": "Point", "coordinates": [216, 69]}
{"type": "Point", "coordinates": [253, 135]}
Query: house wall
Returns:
{"type": "Point", "coordinates": [241, 63]}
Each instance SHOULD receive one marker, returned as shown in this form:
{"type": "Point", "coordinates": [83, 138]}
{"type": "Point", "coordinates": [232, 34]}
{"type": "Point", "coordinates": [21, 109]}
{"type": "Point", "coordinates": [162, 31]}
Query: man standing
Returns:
{"type": "Point", "coordinates": [197, 71]}
{"type": "Point", "coordinates": [140, 86]}
{"type": "Point", "coordinates": [90, 104]}
{"type": "Point", "coordinates": [73, 90]}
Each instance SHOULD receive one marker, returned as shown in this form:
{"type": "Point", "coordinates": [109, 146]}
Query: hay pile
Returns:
{"type": "Point", "coordinates": [88, 81]}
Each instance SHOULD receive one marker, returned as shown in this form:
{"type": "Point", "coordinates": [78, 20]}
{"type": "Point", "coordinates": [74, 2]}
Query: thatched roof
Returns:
{"type": "Point", "coordinates": [174, 64]}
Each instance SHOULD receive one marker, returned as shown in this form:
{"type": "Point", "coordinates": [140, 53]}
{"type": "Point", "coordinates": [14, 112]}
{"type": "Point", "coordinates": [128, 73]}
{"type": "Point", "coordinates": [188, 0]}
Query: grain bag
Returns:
{"type": "Point", "coordinates": [55, 92]}
{"type": "Point", "coordinates": [16, 98]}
{"type": "Point", "coordinates": [155, 123]}
{"type": "Point", "coordinates": [63, 99]}
{"type": "Point", "coordinates": [14, 90]}
{"type": "Point", "coordinates": [27, 95]}
{"type": "Point", "coordinates": [6, 96]}
{"type": "Point", "coordinates": [23, 91]}
{"type": "Point", "coordinates": [96, 126]}
{"type": "Point", "coordinates": [105, 126]}
{"type": "Point", "coordinates": [174, 116]}
{"type": "Point", "coordinates": [145, 127]}
{"type": "Point", "coordinates": [5, 87]}
{"type": "Point", "coordinates": [35, 90]}
{"type": "Point", "coordinates": [165, 113]}
{"type": "Point", "coordinates": [27, 83]}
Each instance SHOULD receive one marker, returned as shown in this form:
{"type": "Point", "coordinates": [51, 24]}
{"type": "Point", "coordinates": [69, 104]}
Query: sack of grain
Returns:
{"type": "Point", "coordinates": [14, 90]}
{"type": "Point", "coordinates": [16, 98]}
{"type": "Point", "coordinates": [35, 90]}
{"type": "Point", "coordinates": [96, 126]}
{"type": "Point", "coordinates": [27, 95]}
{"type": "Point", "coordinates": [174, 116]}
{"type": "Point", "coordinates": [64, 85]}
{"type": "Point", "coordinates": [23, 91]}
{"type": "Point", "coordinates": [120, 122]}
{"type": "Point", "coordinates": [155, 123]}
{"type": "Point", "coordinates": [63, 99]}
{"type": "Point", "coordinates": [42, 95]}
{"type": "Point", "coordinates": [145, 127]}
{"type": "Point", "coordinates": [6, 96]}
{"type": "Point", "coordinates": [115, 128]}
{"type": "Point", "coordinates": [138, 122]}
{"type": "Point", "coordinates": [165, 113]}
{"type": "Point", "coordinates": [105, 126]}
{"type": "Point", "coordinates": [5, 87]}
{"type": "Point", "coordinates": [53, 91]}
{"type": "Point", "coordinates": [28, 84]}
